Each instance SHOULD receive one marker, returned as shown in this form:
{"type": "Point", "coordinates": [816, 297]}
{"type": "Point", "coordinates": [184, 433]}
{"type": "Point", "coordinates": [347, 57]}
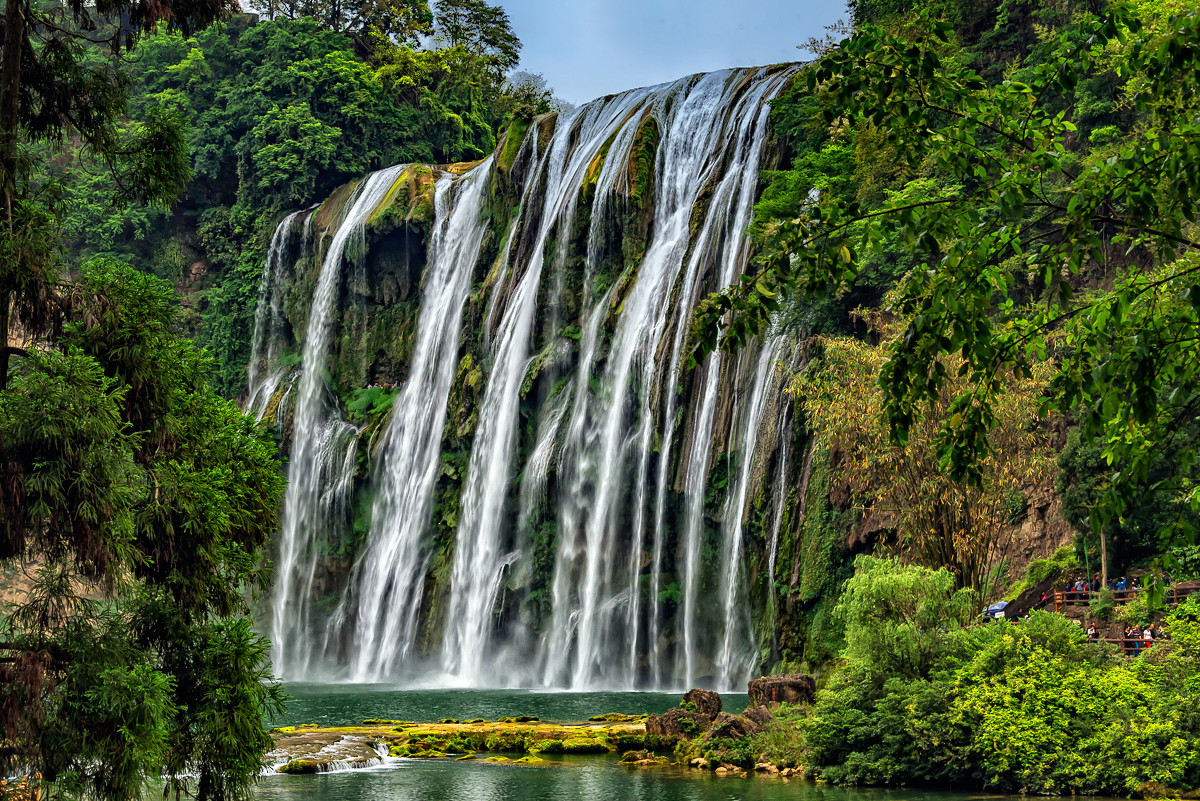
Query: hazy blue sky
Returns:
{"type": "Point", "coordinates": [589, 48]}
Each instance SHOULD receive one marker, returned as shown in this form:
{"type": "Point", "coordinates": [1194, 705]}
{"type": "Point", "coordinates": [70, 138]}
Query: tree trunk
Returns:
{"type": "Point", "coordinates": [5, 305]}
{"type": "Point", "coordinates": [10, 89]}
{"type": "Point", "coordinates": [1103, 559]}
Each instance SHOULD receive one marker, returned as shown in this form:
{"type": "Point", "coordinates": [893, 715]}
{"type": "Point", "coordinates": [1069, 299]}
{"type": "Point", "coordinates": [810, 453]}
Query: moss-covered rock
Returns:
{"type": "Point", "coordinates": [585, 745]}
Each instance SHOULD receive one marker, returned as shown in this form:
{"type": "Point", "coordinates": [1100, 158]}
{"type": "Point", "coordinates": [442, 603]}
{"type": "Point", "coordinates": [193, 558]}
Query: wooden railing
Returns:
{"type": "Point", "coordinates": [1062, 598]}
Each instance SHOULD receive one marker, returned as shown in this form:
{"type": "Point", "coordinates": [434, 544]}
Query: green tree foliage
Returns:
{"type": "Point", "coordinates": [1025, 706]}
{"type": "Point", "coordinates": [1134, 537]}
{"type": "Point", "coordinates": [279, 113]}
{"type": "Point", "coordinates": [1041, 187]}
{"type": "Point", "coordinates": [939, 522]}
{"type": "Point", "coordinates": [481, 29]}
{"type": "Point", "coordinates": [369, 21]}
{"type": "Point", "coordinates": [898, 617]}
{"type": "Point", "coordinates": [146, 500]}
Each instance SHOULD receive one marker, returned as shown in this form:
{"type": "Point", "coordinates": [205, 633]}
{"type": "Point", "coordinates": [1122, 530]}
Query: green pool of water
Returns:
{"type": "Point", "coordinates": [347, 704]}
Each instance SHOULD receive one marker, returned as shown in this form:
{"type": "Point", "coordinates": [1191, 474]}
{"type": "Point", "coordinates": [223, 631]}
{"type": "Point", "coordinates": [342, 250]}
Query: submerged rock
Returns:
{"type": "Point", "coordinates": [616, 717]}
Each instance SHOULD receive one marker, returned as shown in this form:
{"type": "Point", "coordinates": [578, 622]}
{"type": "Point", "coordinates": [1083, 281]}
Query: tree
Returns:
{"type": "Point", "coordinates": [403, 21]}
{"type": "Point", "coordinates": [899, 618]}
{"type": "Point", "coordinates": [144, 500]}
{"type": "Point", "coordinates": [1036, 212]}
{"type": "Point", "coordinates": [531, 88]}
{"type": "Point", "coordinates": [481, 29]}
{"type": "Point", "coordinates": [939, 522]}
{"type": "Point", "coordinates": [52, 85]}
{"type": "Point", "coordinates": [136, 500]}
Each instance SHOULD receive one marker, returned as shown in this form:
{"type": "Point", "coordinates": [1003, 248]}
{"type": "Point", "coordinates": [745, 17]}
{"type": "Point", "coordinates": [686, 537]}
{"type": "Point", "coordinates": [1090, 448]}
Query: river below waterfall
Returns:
{"type": "Point", "coordinates": [563, 778]}
{"type": "Point", "coordinates": [558, 778]}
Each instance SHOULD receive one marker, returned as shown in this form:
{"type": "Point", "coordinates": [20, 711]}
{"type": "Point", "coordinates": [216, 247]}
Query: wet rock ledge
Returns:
{"type": "Point", "coordinates": [310, 749]}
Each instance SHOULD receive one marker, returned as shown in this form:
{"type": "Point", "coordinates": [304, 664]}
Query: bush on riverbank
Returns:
{"type": "Point", "coordinates": [1027, 706]}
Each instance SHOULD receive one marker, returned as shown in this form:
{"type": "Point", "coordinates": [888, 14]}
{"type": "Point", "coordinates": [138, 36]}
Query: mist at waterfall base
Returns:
{"type": "Point", "coordinates": [608, 441]}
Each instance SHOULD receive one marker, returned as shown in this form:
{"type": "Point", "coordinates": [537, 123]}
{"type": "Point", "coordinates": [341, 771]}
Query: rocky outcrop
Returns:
{"type": "Point", "coordinates": [760, 715]}
{"type": "Point", "coordinates": [792, 688]}
{"type": "Point", "coordinates": [677, 723]}
{"type": "Point", "coordinates": [707, 702]}
{"type": "Point", "coordinates": [732, 727]}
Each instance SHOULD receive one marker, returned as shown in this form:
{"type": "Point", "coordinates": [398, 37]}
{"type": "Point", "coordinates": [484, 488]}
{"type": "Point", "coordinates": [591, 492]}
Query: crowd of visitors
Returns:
{"type": "Point", "coordinates": [385, 385]}
{"type": "Point", "coordinates": [1134, 640]}
{"type": "Point", "coordinates": [1081, 589]}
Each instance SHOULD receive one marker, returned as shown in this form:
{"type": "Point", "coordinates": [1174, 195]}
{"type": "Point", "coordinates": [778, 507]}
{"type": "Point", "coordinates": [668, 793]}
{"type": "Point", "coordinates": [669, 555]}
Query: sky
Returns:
{"type": "Point", "coordinates": [590, 48]}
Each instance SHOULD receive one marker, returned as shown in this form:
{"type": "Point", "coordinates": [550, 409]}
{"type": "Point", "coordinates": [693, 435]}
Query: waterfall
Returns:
{"type": "Point", "coordinates": [389, 576]}
{"type": "Point", "coordinates": [734, 661]}
{"type": "Point", "coordinates": [322, 460]}
{"type": "Point", "coordinates": [266, 340]}
{"type": "Point", "coordinates": [598, 543]}
{"type": "Point", "coordinates": [479, 561]}
{"type": "Point", "coordinates": [780, 503]}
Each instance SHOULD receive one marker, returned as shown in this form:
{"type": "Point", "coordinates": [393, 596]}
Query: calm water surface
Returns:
{"type": "Point", "coordinates": [348, 704]}
{"type": "Point", "coordinates": [596, 778]}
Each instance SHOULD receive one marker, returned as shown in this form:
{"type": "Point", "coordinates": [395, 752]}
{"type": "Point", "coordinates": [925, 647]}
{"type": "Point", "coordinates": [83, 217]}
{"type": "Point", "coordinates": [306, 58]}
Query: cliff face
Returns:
{"type": "Point", "coordinates": [596, 511]}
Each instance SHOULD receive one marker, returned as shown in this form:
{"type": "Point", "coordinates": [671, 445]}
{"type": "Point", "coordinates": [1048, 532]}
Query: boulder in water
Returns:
{"type": "Point", "coordinates": [792, 688]}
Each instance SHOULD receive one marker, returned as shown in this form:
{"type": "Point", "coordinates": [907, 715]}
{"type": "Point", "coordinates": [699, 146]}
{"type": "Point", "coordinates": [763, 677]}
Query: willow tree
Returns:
{"type": "Point", "coordinates": [939, 521]}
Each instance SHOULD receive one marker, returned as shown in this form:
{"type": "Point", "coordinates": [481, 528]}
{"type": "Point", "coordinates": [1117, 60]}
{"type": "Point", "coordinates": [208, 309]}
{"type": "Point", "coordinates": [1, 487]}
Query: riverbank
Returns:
{"type": "Point", "coordinates": [695, 732]}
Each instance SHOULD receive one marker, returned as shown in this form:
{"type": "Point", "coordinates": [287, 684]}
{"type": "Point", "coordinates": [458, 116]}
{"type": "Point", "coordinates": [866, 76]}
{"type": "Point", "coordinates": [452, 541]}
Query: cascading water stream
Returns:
{"type": "Point", "coordinates": [732, 663]}
{"type": "Point", "coordinates": [264, 346]}
{"type": "Point", "coordinates": [478, 562]}
{"type": "Point", "coordinates": [320, 464]}
{"type": "Point", "coordinates": [781, 493]}
{"type": "Point", "coordinates": [387, 582]}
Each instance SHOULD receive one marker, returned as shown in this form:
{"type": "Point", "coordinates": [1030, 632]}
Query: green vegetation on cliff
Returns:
{"type": "Point", "coordinates": [1025, 706]}
{"type": "Point", "coordinates": [1016, 188]}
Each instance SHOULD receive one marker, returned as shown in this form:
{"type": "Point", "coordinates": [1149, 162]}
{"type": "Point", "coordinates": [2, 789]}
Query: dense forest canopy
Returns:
{"type": "Point", "coordinates": [274, 114]}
